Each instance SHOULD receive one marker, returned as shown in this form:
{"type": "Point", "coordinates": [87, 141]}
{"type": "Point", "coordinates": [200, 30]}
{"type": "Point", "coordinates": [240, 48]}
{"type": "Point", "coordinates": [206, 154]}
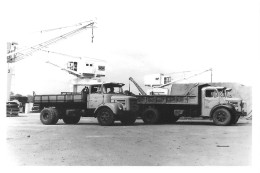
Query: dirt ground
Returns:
{"type": "Point", "coordinates": [186, 143]}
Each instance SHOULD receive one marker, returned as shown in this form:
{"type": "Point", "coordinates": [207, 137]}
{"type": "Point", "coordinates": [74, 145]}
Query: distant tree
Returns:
{"type": "Point", "coordinates": [11, 93]}
{"type": "Point", "coordinates": [30, 98]}
{"type": "Point", "coordinates": [18, 95]}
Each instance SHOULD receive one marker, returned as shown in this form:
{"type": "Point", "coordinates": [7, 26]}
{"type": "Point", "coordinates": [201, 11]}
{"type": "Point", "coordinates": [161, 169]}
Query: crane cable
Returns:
{"type": "Point", "coordinates": [69, 26]}
{"type": "Point", "coordinates": [71, 56]}
{"type": "Point", "coordinates": [30, 50]}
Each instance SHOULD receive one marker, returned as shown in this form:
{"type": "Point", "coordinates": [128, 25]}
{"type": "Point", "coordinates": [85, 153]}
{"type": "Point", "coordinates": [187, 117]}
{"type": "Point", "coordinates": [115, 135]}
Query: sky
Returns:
{"type": "Point", "coordinates": [136, 38]}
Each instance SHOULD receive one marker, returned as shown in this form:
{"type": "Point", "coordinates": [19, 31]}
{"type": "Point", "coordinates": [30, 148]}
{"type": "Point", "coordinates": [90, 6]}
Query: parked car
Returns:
{"type": "Point", "coordinates": [12, 108]}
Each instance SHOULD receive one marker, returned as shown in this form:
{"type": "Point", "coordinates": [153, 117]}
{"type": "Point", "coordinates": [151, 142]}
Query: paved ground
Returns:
{"type": "Point", "coordinates": [189, 142]}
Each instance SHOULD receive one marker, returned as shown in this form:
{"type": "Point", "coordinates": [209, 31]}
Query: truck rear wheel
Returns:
{"type": "Point", "coordinates": [48, 116]}
{"type": "Point", "coordinates": [222, 117]}
{"type": "Point", "coordinates": [105, 117]}
{"type": "Point", "coordinates": [56, 116]}
{"type": "Point", "coordinates": [128, 119]}
{"type": "Point", "coordinates": [150, 116]}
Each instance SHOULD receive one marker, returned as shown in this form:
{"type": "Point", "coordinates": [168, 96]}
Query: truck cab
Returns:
{"type": "Point", "coordinates": [219, 105]}
{"type": "Point", "coordinates": [108, 98]}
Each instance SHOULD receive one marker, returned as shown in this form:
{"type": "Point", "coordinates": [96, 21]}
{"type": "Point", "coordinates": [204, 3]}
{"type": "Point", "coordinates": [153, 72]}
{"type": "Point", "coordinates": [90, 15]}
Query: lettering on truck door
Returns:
{"type": "Point", "coordinates": [210, 99]}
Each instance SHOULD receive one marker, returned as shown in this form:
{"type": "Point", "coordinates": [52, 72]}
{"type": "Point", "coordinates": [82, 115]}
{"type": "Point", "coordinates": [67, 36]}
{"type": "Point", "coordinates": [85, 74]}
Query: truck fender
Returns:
{"type": "Point", "coordinates": [116, 108]}
{"type": "Point", "coordinates": [229, 107]}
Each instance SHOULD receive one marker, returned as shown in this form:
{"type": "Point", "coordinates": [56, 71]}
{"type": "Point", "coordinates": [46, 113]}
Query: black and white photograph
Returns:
{"type": "Point", "coordinates": [130, 83]}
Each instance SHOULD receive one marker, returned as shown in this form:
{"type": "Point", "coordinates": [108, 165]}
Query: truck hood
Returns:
{"type": "Point", "coordinates": [115, 97]}
{"type": "Point", "coordinates": [233, 99]}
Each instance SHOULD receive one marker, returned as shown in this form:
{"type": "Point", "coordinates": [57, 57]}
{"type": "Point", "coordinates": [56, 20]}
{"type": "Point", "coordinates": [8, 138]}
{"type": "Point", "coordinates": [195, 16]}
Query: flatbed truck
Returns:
{"type": "Point", "coordinates": [104, 101]}
{"type": "Point", "coordinates": [191, 100]}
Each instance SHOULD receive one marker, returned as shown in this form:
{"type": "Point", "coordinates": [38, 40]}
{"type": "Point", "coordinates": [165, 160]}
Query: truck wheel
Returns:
{"type": "Point", "coordinates": [128, 119]}
{"type": "Point", "coordinates": [47, 116]}
{"type": "Point", "coordinates": [105, 117]}
{"type": "Point", "coordinates": [150, 116]}
{"type": "Point", "coordinates": [221, 117]}
{"type": "Point", "coordinates": [56, 116]}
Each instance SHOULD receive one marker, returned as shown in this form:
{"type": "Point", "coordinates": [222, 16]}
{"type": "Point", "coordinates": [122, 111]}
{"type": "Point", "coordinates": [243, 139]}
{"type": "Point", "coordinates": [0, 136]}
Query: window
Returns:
{"type": "Point", "coordinates": [211, 93]}
{"type": "Point", "coordinates": [72, 65]}
{"type": "Point", "coordinates": [96, 89]}
{"type": "Point", "coordinates": [116, 89]}
{"type": "Point", "coordinates": [101, 68]}
{"type": "Point", "coordinates": [167, 80]}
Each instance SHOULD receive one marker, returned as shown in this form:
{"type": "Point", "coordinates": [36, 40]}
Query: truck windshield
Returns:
{"type": "Point", "coordinates": [221, 92]}
{"type": "Point", "coordinates": [112, 89]}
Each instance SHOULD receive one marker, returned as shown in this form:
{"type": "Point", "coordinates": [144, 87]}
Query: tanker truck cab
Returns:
{"type": "Point", "coordinates": [222, 109]}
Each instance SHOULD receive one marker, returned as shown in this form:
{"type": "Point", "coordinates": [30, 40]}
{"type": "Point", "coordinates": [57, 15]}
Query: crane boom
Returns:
{"type": "Point", "coordinates": [21, 54]}
{"type": "Point", "coordinates": [137, 86]}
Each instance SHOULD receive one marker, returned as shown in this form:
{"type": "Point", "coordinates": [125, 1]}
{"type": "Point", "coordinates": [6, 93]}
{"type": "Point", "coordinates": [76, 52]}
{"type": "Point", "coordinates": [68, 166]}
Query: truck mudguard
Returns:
{"type": "Point", "coordinates": [116, 108]}
{"type": "Point", "coordinates": [229, 107]}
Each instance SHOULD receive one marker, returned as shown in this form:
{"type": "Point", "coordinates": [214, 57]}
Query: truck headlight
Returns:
{"type": "Point", "coordinates": [120, 107]}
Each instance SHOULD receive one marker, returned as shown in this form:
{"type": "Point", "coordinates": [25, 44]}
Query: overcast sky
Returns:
{"type": "Point", "coordinates": [136, 38]}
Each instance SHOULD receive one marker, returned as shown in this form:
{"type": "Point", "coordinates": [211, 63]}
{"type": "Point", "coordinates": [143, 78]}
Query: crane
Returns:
{"type": "Point", "coordinates": [14, 55]}
{"type": "Point", "coordinates": [161, 86]}
{"type": "Point", "coordinates": [137, 86]}
{"type": "Point", "coordinates": [161, 89]}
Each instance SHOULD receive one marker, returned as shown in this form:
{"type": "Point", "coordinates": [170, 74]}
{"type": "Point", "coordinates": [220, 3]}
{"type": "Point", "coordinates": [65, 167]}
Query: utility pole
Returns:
{"type": "Point", "coordinates": [11, 47]}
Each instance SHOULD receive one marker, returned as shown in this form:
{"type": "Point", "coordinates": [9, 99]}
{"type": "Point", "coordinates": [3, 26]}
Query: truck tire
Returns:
{"type": "Point", "coordinates": [128, 119]}
{"type": "Point", "coordinates": [150, 116]}
{"type": "Point", "coordinates": [47, 116]}
{"type": "Point", "coordinates": [56, 116]}
{"type": "Point", "coordinates": [105, 117]}
{"type": "Point", "coordinates": [222, 117]}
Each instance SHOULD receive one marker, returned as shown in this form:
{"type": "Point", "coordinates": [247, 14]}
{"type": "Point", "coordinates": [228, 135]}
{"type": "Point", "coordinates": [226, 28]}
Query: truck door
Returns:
{"type": "Point", "coordinates": [210, 98]}
{"type": "Point", "coordinates": [96, 97]}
